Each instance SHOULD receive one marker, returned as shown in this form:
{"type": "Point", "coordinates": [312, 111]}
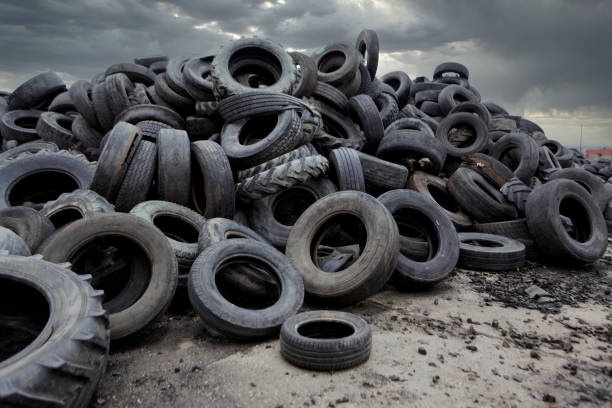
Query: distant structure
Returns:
{"type": "Point", "coordinates": [596, 154]}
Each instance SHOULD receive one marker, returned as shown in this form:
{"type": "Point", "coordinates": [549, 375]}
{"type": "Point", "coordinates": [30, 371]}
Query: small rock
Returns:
{"type": "Point", "coordinates": [471, 347]}
{"type": "Point", "coordinates": [534, 354]}
{"type": "Point", "coordinates": [253, 385]}
{"type": "Point", "coordinates": [176, 369]}
{"type": "Point", "coordinates": [495, 324]}
{"type": "Point", "coordinates": [422, 351]}
{"type": "Point", "coordinates": [517, 378]}
{"type": "Point", "coordinates": [394, 378]}
{"type": "Point", "coordinates": [549, 398]}
{"type": "Point", "coordinates": [435, 379]}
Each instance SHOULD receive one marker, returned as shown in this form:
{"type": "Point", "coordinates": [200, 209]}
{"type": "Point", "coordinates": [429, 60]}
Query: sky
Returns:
{"type": "Point", "coordinates": [548, 60]}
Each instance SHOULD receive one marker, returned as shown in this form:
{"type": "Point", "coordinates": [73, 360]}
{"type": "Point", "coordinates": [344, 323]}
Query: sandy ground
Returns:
{"type": "Point", "coordinates": [456, 345]}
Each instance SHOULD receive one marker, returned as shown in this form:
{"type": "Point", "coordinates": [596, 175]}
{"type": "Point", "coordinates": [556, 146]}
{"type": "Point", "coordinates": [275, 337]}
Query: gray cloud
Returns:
{"type": "Point", "coordinates": [543, 58]}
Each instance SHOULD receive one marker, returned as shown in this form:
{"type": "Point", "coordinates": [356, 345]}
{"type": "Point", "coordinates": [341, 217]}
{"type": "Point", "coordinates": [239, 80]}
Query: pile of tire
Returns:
{"type": "Point", "coordinates": [255, 179]}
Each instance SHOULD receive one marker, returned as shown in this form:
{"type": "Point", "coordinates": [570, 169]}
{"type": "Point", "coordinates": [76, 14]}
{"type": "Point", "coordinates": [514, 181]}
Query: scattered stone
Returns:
{"type": "Point", "coordinates": [422, 351]}
{"type": "Point", "coordinates": [517, 378]}
{"type": "Point", "coordinates": [549, 398]}
{"type": "Point", "coordinates": [472, 348]}
{"type": "Point", "coordinates": [435, 379]}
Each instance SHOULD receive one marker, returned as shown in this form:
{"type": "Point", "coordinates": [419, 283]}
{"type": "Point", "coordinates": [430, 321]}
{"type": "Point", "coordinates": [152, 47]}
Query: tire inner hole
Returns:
{"type": "Point", "coordinates": [24, 312]}
{"type": "Point", "coordinates": [346, 235]}
{"type": "Point", "coordinates": [248, 283]}
{"type": "Point", "coordinates": [118, 266]}
{"type": "Point", "coordinates": [257, 128]}
{"type": "Point", "coordinates": [176, 228]}
{"type": "Point", "coordinates": [257, 63]}
{"type": "Point", "coordinates": [416, 226]}
{"type": "Point", "coordinates": [291, 203]}
{"type": "Point", "coordinates": [40, 187]}
{"type": "Point", "coordinates": [331, 62]}
{"type": "Point", "coordinates": [323, 329]}
{"type": "Point", "coordinates": [333, 128]}
{"type": "Point", "coordinates": [578, 215]}
{"type": "Point", "coordinates": [65, 123]}
{"type": "Point", "coordinates": [27, 122]}
{"type": "Point", "coordinates": [441, 196]}
{"type": "Point", "coordinates": [65, 216]}
{"type": "Point", "coordinates": [462, 135]}
{"type": "Point", "coordinates": [393, 83]}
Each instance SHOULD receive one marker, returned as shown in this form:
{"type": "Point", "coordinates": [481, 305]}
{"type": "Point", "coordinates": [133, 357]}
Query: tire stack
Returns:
{"type": "Point", "coordinates": [253, 179]}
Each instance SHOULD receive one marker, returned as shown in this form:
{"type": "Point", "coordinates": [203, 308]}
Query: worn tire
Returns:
{"type": "Point", "coordinates": [173, 166]}
{"type": "Point", "coordinates": [212, 184]}
{"type": "Point", "coordinates": [480, 139]}
{"type": "Point", "coordinates": [32, 226]}
{"type": "Point", "coordinates": [346, 169]}
{"type": "Point", "coordinates": [382, 174]}
{"type": "Point", "coordinates": [36, 91]}
{"type": "Point", "coordinates": [138, 177]}
{"type": "Point", "coordinates": [20, 125]}
{"type": "Point", "coordinates": [12, 244]}
{"type": "Point", "coordinates": [401, 144]}
{"type": "Point", "coordinates": [365, 111]}
{"type": "Point", "coordinates": [515, 229]}
{"type": "Point", "coordinates": [75, 205]}
{"type": "Point", "coordinates": [525, 164]}
{"type": "Point", "coordinates": [490, 252]}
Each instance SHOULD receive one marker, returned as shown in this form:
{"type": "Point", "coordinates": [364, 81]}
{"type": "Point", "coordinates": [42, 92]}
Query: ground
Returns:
{"type": "Point", "coordinates": [477, 339]}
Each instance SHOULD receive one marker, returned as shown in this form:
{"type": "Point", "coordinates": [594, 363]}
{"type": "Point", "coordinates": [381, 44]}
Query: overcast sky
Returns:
{"type": "Point", "coordinates": [548, 60]}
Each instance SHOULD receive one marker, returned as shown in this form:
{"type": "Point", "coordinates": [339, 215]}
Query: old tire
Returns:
{"type": "Point", "coordinates": [488, 252]}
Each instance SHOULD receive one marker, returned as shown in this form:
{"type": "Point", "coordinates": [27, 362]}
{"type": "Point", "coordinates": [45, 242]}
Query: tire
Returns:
{"type": "Point", "coordinates": [138, 178]}
{"type": "Point", "coordinates": [502, 123]}
{"type": "Point", "coordinates": [150, 287]}
{"type": "Point", "coordinates": [382, 174]}
{"type": "Point", "coordinates": [114, 159]}
{"type": "Point", "coordinates": [564, 156]}
{"type": "Point", "coordinates": [212, 182]}
{"type": "Point", "coordinates": [234, 318]}
{"type": "Point", "coordinates": [20, 125]}
{"type": "Point", "coordinates": [494, 108]}
{"type": "Point", "coordinates": [411, 111]}
{"type": "Point", "coordinates": [12, 244]}
{"type": "Point", "coordinates": [282, 177]}
{"type": "Point", "coordinates": [101, 100]}
{"type": "Point", "coordinates": [181, 103]}
{"type": "Point", "coordinates": [75, 205]}
{"type": "Point", "coordinates": [135, 72]}
{"type": "Point", "coordinates": [140, 113]}
{"type": "Point", "coordinates": [490, 252]}
{"type": "Point", "coordinates": [219, 229]}
{"type": "Point", "coordinates": [515, 229]}
{"type": "Point", "coordinates": [432, 108]}
{"type": "Point", "coordinates": [331, 96]}
{"type": "Point", "coordinates": [80, 94]}
{"type": "Point", "coordinates": [118, 87]}
{"type": "Point", "coordinates": [410, 208]}
{"type": "Point", "coordinates": [302, 151]}
{"type": "Point", "coordinates": [273, 216]}
{"type": "Point", "coordinates": [402, 144]}
{"type": "Point", "coordinates": [337, 131]}
{"type": "Point", "coordinates": [148, 61]}
{"type": "Point", "coordinates": [56, 128]}
{"type": "Point", "coordinates": [451, 67]}
{"type": "Point", "coordinates": [387, 107]}
{"type": "Point", "coordinates": [179, 224]}
{"type": "Point", "coordinates": [400, 82]}
{"type": "Point", "coordinates": [365, 111]}
{"type": "Point", "coordinates": [36, 91]}
{"type": "Point", "coordinates": [174, 76]}
{"type": "Point", "coordinates": [333, 70]}
{"type": "Point", "coordinates": [173, 166]}
{"type": "Point", "coordinates": [327, 346]}
{"type": "Point", "coordinates": [590, 182]}
{"type": "Point", "coordinates": [436, 189]}
{"type": "Point", "coordinates": [33, 227]}
{"type": "Point", "coordinates": [251, 52]}
{"type": "Point", "coordinates": [476, 195]}
{"type": "Point", "coordinates": [63, 364]}
{"type": "Point", "coordinates": [410, 124]}
{"type": "Point", "coordinates": [556, 198]}
{"type": "Point", "coordinates": [369, 272]}
{"type": "Point", "coordinates": [525, 164]}
{"type": "Point", "coordinates": [453, 95]}
{"type": "Point", "coordinates": [250, 104]}
{"type": "Point", "coordinates": [197, 76]}
{"type": "Point", "coordinates": [40, 177]}
{"type": "Point", "coordinates": [367, 42]}
{"type": "Point", "coordinates": [29, 147]}
{"type": "Point", "coordinates": [480, 139]}
{"type": "Point", "coordinates": [475, 108]}
{"type": "Point", "coordinates": [492, 169]}
{"type": "Point", "coordinates": [547, 162]}
{"type": "Point", "coordinates": [149, 130]}
{"type": "Point", "coordinates": [85, 135]}
{"type": "Point", "coordinates": [284, 135]}
{"type": "Point", "coordinates": [199, 128]}
{"type": "Point", "coordinates": [308, 75]}
{"type": "Point", "coordinates": [346, 169]}
{"type": "Point", "coordinates": [62, 104]}
{"type": "Point", "coordinates": [516, 192]}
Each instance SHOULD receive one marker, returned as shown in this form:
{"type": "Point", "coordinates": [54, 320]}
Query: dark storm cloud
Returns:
{"type": "Point", "coordinates": [535, 56]}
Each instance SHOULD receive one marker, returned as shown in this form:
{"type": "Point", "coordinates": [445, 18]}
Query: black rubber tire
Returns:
{"type": "Point", "coordinates": [197, 78]}
{"type": "Point", "coordinates": [400, 82]}
{"type": "Point", "coordinates": [480, 134]}
{"type": "Point", "coordinates": [138, 178]}
{"type": "Point", "coordinates": [302, 151]}
{"type": "Point", "coordinates": [431, 108]}
{"type": "Point", "coordinates": [114, 158]}
{"type": "Point", "coordinates": [252, 51]}
{"type": "Point", "coordinates": [593, 184]}
{"type": "Point", "coordinates": [135, 72]}
{"type": "Point", "coordinates": [183, 104]}
{"type": "Point", "coordinates": [437, 226]}
{"type": "Point", "coordinates": [56, 128]}
{"type": "Point", "coordinates": [387, 107]}
{"type": "Point", "coordinates": [174, 76]}
{"type": "Point", "coordinates": [63, 365]}
{"type": "Point", "coordinates": [148, 61]}
{"type": "Point", "coordinates": [307, 75]}
{"type": "Point", "coordinates": [100, 102]}
{"type": "Point", "coordinates": [516, 192]}
{"type": "Point", "coordinates": [179, 224]}
{"type": "Point", "coordinates": [488, 167]}
{"type": "Point", "coordinates": [488, 252]}
{"type": "Point", "coordinates": [173, 166]}
{"type": "Point", "coordinates": [494, 108]}
{"type": "Point", "coordinates": [80, 94]}
{"type": "Point", "coordinates": [71, 243]}
{"type": "Point", "coordinates": [368, 274]}
{"type": "Point", "coordinates": [199, 128]}
{"type": "Point", "coordinates": [284, 137]}
{"type": "Point", "coordinates": [426, 96]}
{"type": "Point", "coordinates": [337, 131]}
{"type": "Point", "coordinates": [32, 226]}
{"type": "Point", "coordinates": [75, 205]}
{"type": "Point", "coordinates": [544, 208]}
{"type": "Point", "coordinates": [264, 213]}
{"type": "Point", "coordinates": [476, 195]}
{"type": "Point", "coordinates": [502, 123]}
{"type": "Point", "coordinates": [20, 125]}
{"type": "Point", "coordinates": [141, 113]}
{"type": "Point", "coordinates": [564, 156]}
{"type": "Point", "coordinates": [410, 124]}
{"type": "Point", "coordinates": [475, 108]}
{"type": "Point", "coordinates": [331, 96]}
{"type": "Point", "coordinates": [219, 229]}
{"type": "Point", "coordinates": [367, 42]}
{"type": "Point", "coordinates": [527, 155]}
{"type": "Point", "coordinates": [346, 169]}
{"type": "Point", "coordinates": [156, 99]}
{"type": "Point", "coordinates": [118, 87]}
{"type": "Point", "coordinates": [12, 244]}
{"type": "Point", "coordinates": [282, 177]}
{"type": "Point", "coordinates": [336, 70]}
{"type": "Point", "coordinates": [62, 103]}
{"type": "Point", "coordinates": [453, 95]}
{"type": "Point", "coordinates": [402, 144]}
{"type": "Point", "coordinates": [36, 91]}
{"type": "Point", "coordinates": [451, 67]}
{"type": "Point", "coordinates": [515, 229]}
{"type": "Point", "coordinates": [411, 111]}
{"type": "Point", "coordinates": [249, 104]}
{"type": "Point", "coordinates": [436, 189]}
{"type": "Point", "coordinates": [364, 109]}
{"type": "Point", "coordinates": [547, 162]}
{"type": "Point", "coordinates": [29, 147]}
{"type": "Point", "coordinates": [84, 135]}
{"type": "Point", "coordinates": [149, 130]}
{"type": "Point", "coordinates": [212, 182]}
{"type": "Point", "coordinates": [232, 320]}
{"type": "Point", "coordinates": [328, 348]}
{"type": "Point", "coordinates": [382, 174]}
{"type": "Point", "coordinates": [70, 171]}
